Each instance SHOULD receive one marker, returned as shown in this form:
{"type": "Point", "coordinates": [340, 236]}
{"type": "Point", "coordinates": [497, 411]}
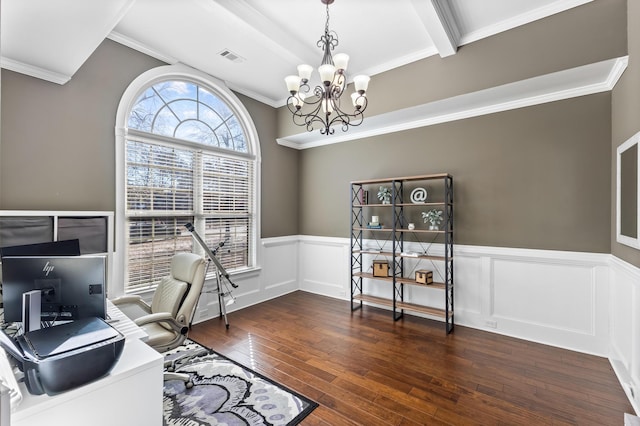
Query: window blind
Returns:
{"type": "Point", "coordinates": [169, 186]}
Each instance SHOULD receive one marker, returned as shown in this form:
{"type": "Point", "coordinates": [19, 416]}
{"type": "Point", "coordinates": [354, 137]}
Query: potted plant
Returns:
{"type": "Point", "coordinates": [434, 217]}
{"type": "Point", "coordinates": [384, 195]}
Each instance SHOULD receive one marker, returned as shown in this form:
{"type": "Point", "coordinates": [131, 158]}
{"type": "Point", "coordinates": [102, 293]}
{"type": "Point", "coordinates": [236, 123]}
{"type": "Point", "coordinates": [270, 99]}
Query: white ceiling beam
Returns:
{"type": "Point", "coordinates": [440, 24]}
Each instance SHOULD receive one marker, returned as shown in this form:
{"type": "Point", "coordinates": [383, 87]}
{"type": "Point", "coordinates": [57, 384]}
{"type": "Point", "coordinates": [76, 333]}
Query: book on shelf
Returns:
{"type": "Point", "coordinates": [409, 254]}
{"type": "Point", "coordinates": [372, 226]}
{"type": "Point", "coordinates": [363, 197]}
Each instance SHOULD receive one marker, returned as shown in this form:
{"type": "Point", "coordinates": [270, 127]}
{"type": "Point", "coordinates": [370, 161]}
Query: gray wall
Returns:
{"type": "Point", "coordinates": [58, 149]}
{"type": "Point", "coordinates": [279, 199]}
{"type": "Point", "coordinates": [625, 120]}
{"type": "Point", "coordinates": [58, 140]}
{"type": "Point", "coordinates": [538, 177]}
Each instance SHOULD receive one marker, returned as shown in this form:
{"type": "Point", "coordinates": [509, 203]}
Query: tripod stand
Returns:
{"type": "Point", "coordinates": [222, 288]}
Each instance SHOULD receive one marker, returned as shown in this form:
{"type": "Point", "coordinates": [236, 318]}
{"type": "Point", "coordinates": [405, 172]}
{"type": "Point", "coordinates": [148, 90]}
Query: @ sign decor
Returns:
{"type": "Point", "coordinates": [419, 196]}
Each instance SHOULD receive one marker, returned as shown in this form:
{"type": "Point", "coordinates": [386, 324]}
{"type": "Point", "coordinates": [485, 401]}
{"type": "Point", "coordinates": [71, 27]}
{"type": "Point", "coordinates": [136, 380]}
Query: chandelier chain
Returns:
{"type": "Point", "coordinates": [326, 25]}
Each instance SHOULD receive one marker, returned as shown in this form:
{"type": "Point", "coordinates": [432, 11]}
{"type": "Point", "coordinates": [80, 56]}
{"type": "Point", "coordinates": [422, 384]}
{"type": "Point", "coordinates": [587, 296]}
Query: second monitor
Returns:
{"type": "Point", "coordinates": [71, 287]}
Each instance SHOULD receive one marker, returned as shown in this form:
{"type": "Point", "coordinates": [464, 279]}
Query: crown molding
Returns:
{"type": "Point", "coordinates": [256, 96]}
{"type": "Point", "coordinates": [580, 81]}
{"type": "Point", "coordinates": [33, 71]}
{"type": "Point", "coordinates": [141, 47]}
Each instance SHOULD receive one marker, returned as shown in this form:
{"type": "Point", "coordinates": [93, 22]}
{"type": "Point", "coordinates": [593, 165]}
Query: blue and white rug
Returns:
{"type": "Point", "coordinates": [226, 393]}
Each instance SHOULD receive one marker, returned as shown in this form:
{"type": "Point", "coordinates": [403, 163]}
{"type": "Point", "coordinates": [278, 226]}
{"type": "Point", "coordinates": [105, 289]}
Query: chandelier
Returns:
{"type": "Point", "coordinates": [322, 106]}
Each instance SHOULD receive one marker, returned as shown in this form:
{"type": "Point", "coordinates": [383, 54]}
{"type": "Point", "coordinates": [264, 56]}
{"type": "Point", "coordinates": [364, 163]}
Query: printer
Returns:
{"type": "Point", "coordinates": [62, 357]}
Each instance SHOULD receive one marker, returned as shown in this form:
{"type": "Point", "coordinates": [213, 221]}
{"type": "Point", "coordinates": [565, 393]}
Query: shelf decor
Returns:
{"type": "Point", "coordinates": [424, 277]}
{"type": "Point", "coordinates": [384, 195]}
{"type": "Point", "coordinates": [434, 217]}
{"type": "Point", "coordinates": [419, 196]}
{"type": "Point", "coordinates": [380, 268]}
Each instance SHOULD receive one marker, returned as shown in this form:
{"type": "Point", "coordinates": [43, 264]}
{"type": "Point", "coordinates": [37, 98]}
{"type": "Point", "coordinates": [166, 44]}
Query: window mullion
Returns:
{"type": "Point", "coordinates": [198, 202]}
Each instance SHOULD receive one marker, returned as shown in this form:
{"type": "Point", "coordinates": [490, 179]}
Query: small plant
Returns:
{"type": "Point", "coordinates": [384, 195]}
{"type": "Point", "coordinates": [434, 217]}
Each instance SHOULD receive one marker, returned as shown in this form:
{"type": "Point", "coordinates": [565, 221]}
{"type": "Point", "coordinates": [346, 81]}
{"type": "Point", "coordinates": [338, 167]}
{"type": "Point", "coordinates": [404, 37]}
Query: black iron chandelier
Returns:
{"type": "Point", "coordinates": [322, 106]}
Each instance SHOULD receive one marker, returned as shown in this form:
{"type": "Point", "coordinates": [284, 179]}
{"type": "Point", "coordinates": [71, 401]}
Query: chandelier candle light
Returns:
{"type": "Point", "coordinates": [325, 102]}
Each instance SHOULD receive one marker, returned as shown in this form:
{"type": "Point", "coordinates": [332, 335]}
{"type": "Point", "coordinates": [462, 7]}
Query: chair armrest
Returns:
{"type": "Point", "coordinates": [131, 299]}
{"type": "Point", "coordinates": [162, 317]}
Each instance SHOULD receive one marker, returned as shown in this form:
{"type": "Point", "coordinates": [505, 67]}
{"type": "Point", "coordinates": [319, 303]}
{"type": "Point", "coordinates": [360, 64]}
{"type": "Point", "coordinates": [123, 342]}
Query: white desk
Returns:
{"type": "Point", "coordinates": [130, 395]}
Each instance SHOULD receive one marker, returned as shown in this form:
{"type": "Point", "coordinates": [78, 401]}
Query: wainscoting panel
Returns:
{"type": "Point", "coordinates": [625, 327]}
{"type": "Point", "coordinates": [555, 296]}
{"type": "Point", "coordinates": [279, 262]}
{"type": "Point", "coordinates": [277, 276]}
{"type": "Point", "coordinates": [247, 293]}
{"type": "Point", "coordinates": [324, 266]}
{"type": "Point", "coordinates": [472, 287]}
{"type": "Point", "coordinates": [551, 297]}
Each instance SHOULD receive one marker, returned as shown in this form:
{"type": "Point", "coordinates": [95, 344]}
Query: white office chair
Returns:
{"type": "Point", "coordinates": [167, 319]}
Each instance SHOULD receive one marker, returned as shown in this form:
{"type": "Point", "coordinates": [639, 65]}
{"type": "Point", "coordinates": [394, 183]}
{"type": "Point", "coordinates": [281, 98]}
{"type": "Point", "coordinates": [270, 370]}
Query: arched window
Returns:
{"type": "Point", "coordinates": [187, 153]}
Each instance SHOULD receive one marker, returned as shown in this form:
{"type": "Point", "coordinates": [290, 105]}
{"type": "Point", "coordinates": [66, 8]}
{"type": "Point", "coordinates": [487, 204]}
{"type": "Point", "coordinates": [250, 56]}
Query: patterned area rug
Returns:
{"type": "Point", "coordinates": [226, 393]}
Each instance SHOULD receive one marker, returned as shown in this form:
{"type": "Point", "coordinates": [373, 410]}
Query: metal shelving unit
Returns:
{"type": "Point", "coordinates": [395, 234]}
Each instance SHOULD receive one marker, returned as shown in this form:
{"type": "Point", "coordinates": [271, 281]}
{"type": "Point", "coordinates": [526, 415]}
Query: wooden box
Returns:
{"type": "Point", "coordinates": [424, 277]}
{"type": "Point", "coordinates": [380, 268]}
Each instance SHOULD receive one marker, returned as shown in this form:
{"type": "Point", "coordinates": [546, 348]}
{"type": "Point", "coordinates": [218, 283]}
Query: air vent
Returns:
{"type": "Point", "coordinates": [233, 57]}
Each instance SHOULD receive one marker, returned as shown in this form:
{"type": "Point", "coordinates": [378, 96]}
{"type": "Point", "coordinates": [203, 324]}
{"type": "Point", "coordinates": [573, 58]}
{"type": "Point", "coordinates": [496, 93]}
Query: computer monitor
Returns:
{"type": "Point", "coordinates": [72, 287]}
{"type": "Point", "coordinates": [53, 248]}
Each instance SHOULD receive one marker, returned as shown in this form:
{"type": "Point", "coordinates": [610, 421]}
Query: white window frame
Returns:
{"type": "Point", "coordinates": [129, 97]}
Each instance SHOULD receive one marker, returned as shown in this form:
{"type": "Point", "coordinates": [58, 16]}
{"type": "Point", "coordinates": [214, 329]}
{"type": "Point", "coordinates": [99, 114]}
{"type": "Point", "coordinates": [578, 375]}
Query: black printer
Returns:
{"type": "Point", "coordinates": [62, 357]}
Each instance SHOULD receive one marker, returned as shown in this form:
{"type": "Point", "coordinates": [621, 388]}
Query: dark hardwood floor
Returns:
{"type": "Point", "coordinates": [364, 368]}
